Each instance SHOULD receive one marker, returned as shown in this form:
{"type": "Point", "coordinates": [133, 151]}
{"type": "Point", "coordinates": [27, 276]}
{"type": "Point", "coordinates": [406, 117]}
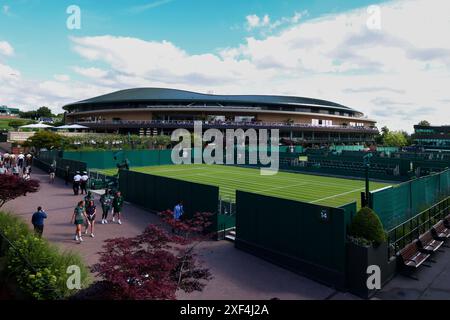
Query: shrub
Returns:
{"type": "Point", "coordinates": [39, 269]}
{"type": "Point", "coordinates": [367, 225]}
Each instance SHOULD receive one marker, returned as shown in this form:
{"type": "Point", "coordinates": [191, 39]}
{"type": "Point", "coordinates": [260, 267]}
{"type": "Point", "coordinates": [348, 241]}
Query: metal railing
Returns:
{"type": "Point", "coordinates": [223, 123]}
{"type": "Point", "coordinates": [410, 230]}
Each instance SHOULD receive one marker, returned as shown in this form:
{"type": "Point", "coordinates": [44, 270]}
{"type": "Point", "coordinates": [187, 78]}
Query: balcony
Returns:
{"type": "Point", "coordinates": [187, 124]}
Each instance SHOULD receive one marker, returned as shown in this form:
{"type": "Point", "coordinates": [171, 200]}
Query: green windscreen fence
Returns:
{"type": "Point", "coordinates": [159, 193]}
{"type": "Point", "coordinates": [307, 238]}
{"type": "Point", "coordinates": [395, 205]}
{"type": "Point", "coordinates": [105, 159]}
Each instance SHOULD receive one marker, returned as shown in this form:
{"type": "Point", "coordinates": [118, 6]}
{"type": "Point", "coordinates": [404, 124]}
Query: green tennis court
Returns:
{"type": "Point", "coordinates": [322, 190]}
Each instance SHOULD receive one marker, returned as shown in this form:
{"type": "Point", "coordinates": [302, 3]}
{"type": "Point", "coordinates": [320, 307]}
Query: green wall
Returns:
{"type": "Point", "coordinates": [294, 235]}
{"type": "Point", "coordinates": [105, 159]}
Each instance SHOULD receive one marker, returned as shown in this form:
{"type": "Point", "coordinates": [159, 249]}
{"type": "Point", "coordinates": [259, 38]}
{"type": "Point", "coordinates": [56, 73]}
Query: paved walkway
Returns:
{"type": "Point", "coordinates": [236, 274]}
{"type": "Point", "coordinates": [433, 283]}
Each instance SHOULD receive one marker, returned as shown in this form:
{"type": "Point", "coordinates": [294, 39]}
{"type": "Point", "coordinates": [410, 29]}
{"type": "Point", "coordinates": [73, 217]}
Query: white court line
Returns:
{"type": "Point", "coordinates": [337, 195]}
{"type": "Point", "coordinates": [284, 187]}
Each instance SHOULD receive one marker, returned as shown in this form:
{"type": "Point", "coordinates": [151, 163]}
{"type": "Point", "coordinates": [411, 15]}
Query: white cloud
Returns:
{"type": "Point", "coordinates": [254, 21]}
{"type": "Point", "coordinates": [6, 49]}
{"type": "Point", "coordinates": [95, 73]}
{"type": "Point", "coordinates": [398, 75]}
{"type": "Point", "coordinates": [265, 25]}
{"type": "Point", "coordinates": [62, 77]}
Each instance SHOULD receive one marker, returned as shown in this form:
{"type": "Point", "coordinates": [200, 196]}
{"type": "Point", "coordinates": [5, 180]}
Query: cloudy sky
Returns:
{"type": "Point", "coordinates": [389, 59]}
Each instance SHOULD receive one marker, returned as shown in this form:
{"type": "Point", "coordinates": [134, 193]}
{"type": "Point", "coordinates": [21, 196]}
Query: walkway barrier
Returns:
{"type": "Point", "coordinates": [408, 231]}
{"type": "Point", "coordinates": [109, 159]}
{"type": "Point", "coordinates": [397, 204]}
{"type": "Point", "coordinates": [306, 238]}
{"type": "Point", "coordinates": [158, 194]}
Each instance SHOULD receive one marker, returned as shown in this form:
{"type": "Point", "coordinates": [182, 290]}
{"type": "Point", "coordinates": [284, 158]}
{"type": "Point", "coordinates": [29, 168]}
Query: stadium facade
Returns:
{"type": "Point", "coordinates": [150, 111]}
{"type": "Point", "coordinates": [432, 137]}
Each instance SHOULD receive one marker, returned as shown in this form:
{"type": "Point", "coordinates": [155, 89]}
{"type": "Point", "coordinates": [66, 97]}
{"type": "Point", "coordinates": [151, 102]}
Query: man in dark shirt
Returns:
{"type": "Point", "coordinates": [38, 221]}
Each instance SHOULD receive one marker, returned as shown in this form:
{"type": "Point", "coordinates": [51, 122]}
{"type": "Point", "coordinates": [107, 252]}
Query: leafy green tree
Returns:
{"type": "Point", "coordinates": [44, 112]}
{"type": "Point", "coordinates": [424, 123]}
{"type": "Point", "coordinates": [45, 139]}
{"type": "Point", "coordinates": [395, 139]}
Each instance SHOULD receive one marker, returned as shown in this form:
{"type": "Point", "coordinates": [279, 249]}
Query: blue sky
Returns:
{"type": "Point", "coordinates": [389, 59]}
{"type": "Point", "coordinates": [37, 28]}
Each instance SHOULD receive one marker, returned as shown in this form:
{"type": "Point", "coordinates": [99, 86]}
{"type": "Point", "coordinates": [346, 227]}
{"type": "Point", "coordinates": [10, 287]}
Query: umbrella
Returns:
{"type": "Point", "coordinates": [72, 126]}
{"type": "Point", "coordinates": [36, 126]}
{"type": "Point", "coordinates": [77, 126]}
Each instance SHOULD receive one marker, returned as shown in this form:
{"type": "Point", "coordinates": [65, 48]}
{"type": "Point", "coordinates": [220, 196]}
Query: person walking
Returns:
{"type": "Point", "coordinates": [91, 210]}
{"type": "Point", "coordinates": [38, 221]}
{"type": "Point", "coordinates": [79, 218]}
{"type": "Point", "coordinates": [117, 207]}
{"type": "Point", "coordinates": [52, 173]}
{"type": "Point", "coordinates": [178, 212]}
{"type": "Point", "coordinates": [76, 183]}
{"type": "Point", "coordinates": [106, 201]}
{"type": "Point", "coordinates": [20, 160]}
{"type": "Point", "coordinates": [84, 182]}
{"type": "Point", "coordinates": [67, 175]}
{"type": "Point", "coordinates": [89, 197]}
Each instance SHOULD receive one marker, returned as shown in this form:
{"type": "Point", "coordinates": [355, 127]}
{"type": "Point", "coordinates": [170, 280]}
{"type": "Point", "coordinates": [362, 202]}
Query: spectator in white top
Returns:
{"type": "Point", "coordinates": [21, 160]}
{"type": "Point", "coordinates": [76, 183]}
{"type": "Point", "coordinates": [84, 182]}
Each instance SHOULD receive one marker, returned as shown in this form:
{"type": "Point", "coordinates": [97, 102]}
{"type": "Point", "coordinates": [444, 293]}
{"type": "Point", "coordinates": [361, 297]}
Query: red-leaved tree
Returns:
{"type": "Point", "coordinates": [12, 187]}
{"type": "Point", "coordinates": [156, 263]}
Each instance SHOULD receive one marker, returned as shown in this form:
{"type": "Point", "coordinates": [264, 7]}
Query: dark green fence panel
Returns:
{"type": "Point", "coordinates": [49, 157]}
{"type": "Point", "coordinates": [307, 238]}
{"type": "Point", "coordinates": [424, 193]}
{"type": "Point", "coordinates": [160, 193]}
{"type": "Point", "coordinates": [445, 183]}
{"type": "Point", "coordinates": [395, 205]}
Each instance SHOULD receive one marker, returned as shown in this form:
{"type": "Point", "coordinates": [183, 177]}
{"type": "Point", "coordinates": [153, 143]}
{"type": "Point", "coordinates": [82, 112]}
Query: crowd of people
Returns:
{"type": "Point", "coordinates": [18, 165]}
{"type": "Point", "coordinates": [85, 213]}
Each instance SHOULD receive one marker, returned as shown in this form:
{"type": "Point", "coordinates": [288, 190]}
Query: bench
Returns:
{"type": "Point", "coordinates": [411, 257]}
{"type": "Point", "coordinates": [440, 232]}
{"type": "Point", "coordinates": [428, 244]}
{"type": "Point", "coordinates": [447, 222]}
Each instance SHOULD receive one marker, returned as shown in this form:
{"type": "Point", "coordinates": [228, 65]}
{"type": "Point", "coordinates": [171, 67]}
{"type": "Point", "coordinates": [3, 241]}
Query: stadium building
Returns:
{"type": "Point", "coordinates": [8, 112]}
{"type": "Point", "coordinates": [432, 137]}
{"type": "Point", "coordinates": [150, 111]}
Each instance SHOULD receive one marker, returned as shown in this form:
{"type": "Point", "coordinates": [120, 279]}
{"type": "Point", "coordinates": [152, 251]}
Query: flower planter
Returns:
{"type": "Point", "coordinates": [359, 258]}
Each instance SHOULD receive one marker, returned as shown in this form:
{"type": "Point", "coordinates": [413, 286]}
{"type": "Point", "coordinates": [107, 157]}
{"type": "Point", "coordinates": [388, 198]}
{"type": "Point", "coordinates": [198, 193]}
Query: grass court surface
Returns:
{"type": "Point", "coordinates": [322, 190]}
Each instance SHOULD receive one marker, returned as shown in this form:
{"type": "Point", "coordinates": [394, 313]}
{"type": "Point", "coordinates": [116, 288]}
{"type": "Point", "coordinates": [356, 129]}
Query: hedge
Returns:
{"type": "Point", "coordinates": [38, 267]}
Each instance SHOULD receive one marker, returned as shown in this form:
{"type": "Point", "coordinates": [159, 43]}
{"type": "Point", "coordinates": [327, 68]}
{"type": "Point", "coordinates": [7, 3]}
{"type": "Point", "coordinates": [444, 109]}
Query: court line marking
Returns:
{"type": "Point", "coordinates": [337, 195]}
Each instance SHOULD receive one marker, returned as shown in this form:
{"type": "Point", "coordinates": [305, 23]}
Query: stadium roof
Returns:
{"type": "Point", "coordinates": [173, 95]}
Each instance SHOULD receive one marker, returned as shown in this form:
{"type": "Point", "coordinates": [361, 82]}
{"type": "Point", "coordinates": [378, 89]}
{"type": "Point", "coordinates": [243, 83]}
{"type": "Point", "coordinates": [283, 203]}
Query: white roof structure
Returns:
{"type": "Point", "coordinates": [36, 126]}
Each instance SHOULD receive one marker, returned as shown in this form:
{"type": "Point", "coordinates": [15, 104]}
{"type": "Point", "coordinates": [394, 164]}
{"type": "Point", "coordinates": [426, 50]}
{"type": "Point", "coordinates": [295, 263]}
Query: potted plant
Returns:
{"type": "Point", "coordinates": [367, 249]}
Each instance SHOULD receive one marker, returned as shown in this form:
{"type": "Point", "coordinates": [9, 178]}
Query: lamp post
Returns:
{"type": "Point", "coordinates": [366, 159]}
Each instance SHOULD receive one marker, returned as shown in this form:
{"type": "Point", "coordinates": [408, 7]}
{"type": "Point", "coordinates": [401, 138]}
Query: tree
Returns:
{"type": "Point", "coordinates": [12, 187]}
{"type": "Point", "coordinates": [367, 225]}
{"type": "Point", "coordinates": [394, 139]}
{"type": "Point", "coordinates": [18, 123]}
{"type": "Point", "coordinates": [424, 123]}
{"type": "Point", "coordinates": [155, 264]}
{"type": "Point", "coordinates": [45, 139]}
{"type": "Point", "coordinates": [44, 112]}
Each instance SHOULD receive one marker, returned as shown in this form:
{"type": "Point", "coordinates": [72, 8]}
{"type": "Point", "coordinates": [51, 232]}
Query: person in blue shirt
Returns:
{"type": "Point", "coordinates": [178, 211]}
{"type": "Point", "coordinates": [38, 221]}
